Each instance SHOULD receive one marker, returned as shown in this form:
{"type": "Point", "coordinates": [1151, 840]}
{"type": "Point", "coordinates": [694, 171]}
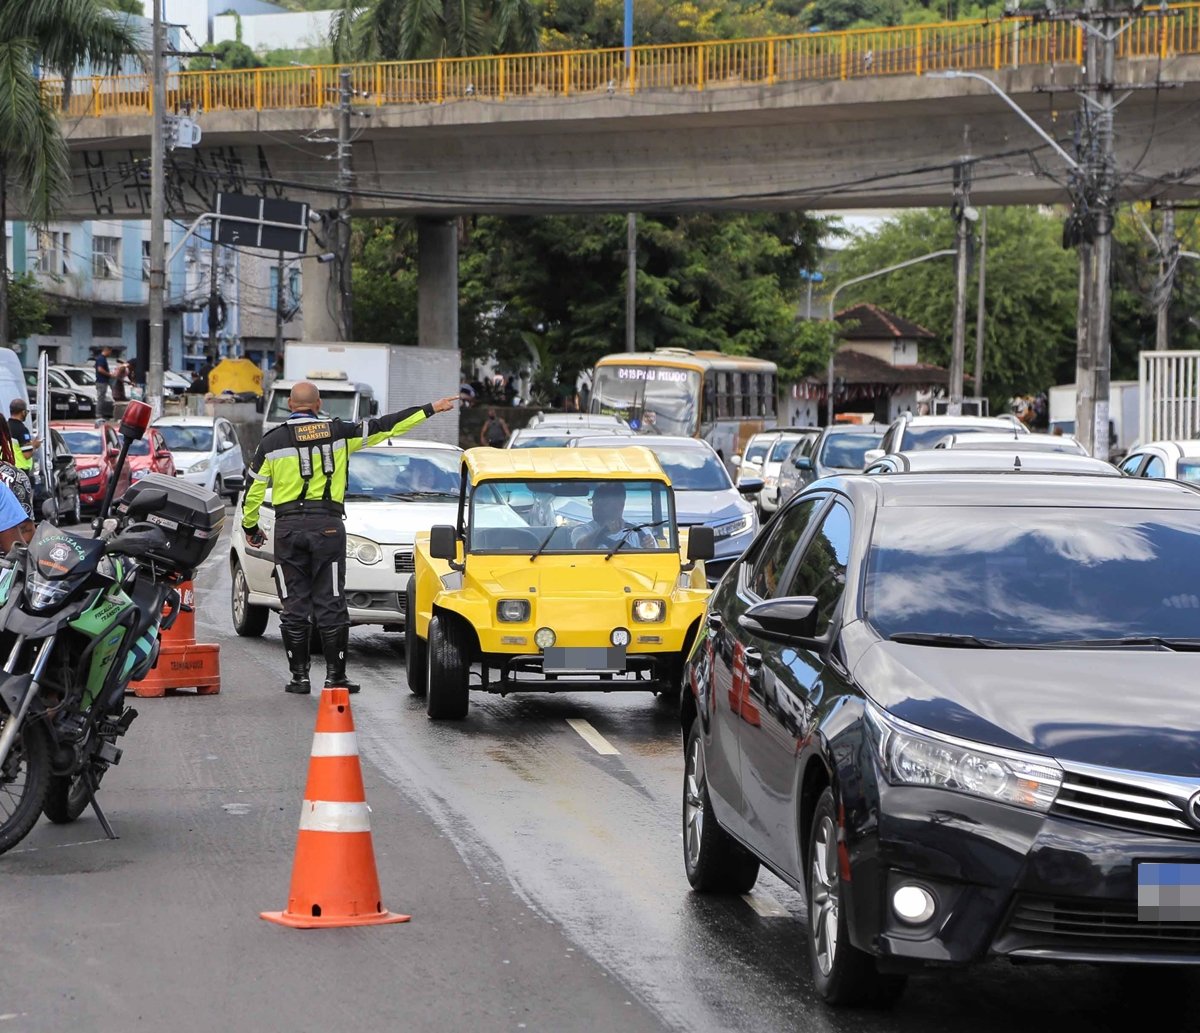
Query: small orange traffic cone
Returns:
{"type": "Point", "coordinates": [182, 661]}
{"type": "Point", "coordinates": [334, 881]}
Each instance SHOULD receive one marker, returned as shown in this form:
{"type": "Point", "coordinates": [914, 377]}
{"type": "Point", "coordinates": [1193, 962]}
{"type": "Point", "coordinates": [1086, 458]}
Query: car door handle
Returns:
{"type": "Point", "coordinates": [715, 621]}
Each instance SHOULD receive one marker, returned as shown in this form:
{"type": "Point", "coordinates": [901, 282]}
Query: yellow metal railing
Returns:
{"type": "Point", "coordinates": [812, 57]}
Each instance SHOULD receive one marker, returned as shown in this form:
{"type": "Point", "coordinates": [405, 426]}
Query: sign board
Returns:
{"type": "Point", "coordinates": [262, 222]}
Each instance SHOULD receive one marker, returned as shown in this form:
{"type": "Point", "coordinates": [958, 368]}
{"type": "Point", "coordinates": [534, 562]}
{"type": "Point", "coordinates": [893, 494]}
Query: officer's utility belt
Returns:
{"type": "Point", "coordinates": [324, 507]}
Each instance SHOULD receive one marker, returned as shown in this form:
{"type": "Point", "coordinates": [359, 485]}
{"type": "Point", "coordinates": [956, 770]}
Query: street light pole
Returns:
{"type": "Point", "coordinates": [630, 217]}
{"type": "Point", "coordinates": [850, 283]}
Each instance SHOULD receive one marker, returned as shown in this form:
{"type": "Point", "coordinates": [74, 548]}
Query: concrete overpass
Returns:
{"type": "Point", "coordinates": [828, 120]}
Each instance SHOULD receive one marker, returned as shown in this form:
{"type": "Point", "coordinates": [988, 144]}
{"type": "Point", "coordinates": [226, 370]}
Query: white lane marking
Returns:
{"type": "Point", "coordinates": [593, 738]}
{"type": "Point", "coordinates": [329, 816]}
{"type": "Point", "coordinates": [766, 906]}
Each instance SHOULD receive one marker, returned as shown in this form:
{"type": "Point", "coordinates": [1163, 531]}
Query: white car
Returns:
{"type": "Point", "coordinates": [1061, 443]}
{"type": "Point", "coordinates": [1178, 460]}
{"type": "Point", "coordinates": [207, 452]}
{"type": "Point", "coordinates": [393, 491]}
{"type": "Point", "coordinates": [911, 433]}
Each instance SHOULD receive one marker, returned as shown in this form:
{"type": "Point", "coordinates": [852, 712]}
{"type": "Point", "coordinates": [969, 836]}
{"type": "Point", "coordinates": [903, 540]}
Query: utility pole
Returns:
{"type": "Point", "coordinates": [345, 183]}
{"type": "Point", "coordinates": [1168, 251]}
{"type": "Point", "coordinates": [158, 213]}
{"type": "Point", "coordinates": [981, 304]}
{"type": "Point", "coordinates": [962, 210]}
{"type": "Point", "coordinates": [631, 282]}
{"type": "Point", "coordinates": [279, 308]}
{"type": "Point", "coordinates": [214, 297]}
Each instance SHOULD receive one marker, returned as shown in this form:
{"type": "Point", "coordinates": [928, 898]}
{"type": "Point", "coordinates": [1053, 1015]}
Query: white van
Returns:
{"type": "Point", "coordinates": [12, 380]}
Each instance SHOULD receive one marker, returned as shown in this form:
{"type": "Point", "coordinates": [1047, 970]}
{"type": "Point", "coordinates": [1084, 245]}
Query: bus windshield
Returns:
{"type": "Point", "coordinates": [651, 399]}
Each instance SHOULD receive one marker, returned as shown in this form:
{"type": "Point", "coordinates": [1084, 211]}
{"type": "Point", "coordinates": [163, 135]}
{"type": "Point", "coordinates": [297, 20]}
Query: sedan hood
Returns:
{"type": "Point", "coordinates": [1131, 709]}
{"type": "Point", "coordinates": [396, 523]}
{"type": "Point", "coordinates": [709, 507]}
{"type": "Point", "coordinates": [186, 460]}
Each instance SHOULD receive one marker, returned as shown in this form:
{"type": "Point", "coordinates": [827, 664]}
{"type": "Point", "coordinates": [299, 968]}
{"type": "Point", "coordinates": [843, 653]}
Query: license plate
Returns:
{"type": "Point", "coordinates": [584, 659]}
{"type": "Point", "coordinates": [1168, 892]}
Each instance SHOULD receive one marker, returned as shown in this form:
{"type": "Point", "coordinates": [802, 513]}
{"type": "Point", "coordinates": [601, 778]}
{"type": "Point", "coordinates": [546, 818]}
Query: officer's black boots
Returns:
{"type": "Point", "coordinates": [334, 643]}
{"type": "Point", "coordinates": [297, 645]}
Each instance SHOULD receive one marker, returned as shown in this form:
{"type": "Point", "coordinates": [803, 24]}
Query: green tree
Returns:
{"type": "Point", "coordinates": [1029, 330]}
{"type": "Point", "coordinates": [229, 53]}
{"type": "Point", "coordinates": [60, 36]}
{"type": "Point", "coordinates": [400, 30]}
{"type": "Point", "coordinates": [27, 308]}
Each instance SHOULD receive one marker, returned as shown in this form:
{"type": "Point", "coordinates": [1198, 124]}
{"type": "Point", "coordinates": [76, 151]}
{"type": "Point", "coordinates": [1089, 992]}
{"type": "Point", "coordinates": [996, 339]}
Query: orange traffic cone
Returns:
{"type": "Point", "coordinates": [334, 881]}
{"type": "Point", "coordinates": [182, 661]}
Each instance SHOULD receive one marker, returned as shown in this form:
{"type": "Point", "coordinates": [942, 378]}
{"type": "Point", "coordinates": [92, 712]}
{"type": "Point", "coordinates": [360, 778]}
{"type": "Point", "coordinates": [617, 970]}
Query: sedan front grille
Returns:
{"type": "Point", "coordinates": [1127, 801]}
{"type": "Point", "coordinates": [1081, 924]}
{"type": "Point", "coordinates": [404, 563]}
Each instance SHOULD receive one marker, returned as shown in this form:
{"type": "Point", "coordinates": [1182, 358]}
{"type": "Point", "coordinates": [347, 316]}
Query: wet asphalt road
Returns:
{"type": "Point", "coordinates": [544, 878]}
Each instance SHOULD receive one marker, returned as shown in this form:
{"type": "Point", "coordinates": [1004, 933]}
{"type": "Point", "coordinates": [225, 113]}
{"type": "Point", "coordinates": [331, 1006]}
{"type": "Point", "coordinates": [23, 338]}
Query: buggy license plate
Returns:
{"type": "Point", "coordinates": [1168, 892]}
{"type": "Point", "coordinates": [584, 659]}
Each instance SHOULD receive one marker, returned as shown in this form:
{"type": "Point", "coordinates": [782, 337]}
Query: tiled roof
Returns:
{"type": "Point", "coordinates": [878, 324]}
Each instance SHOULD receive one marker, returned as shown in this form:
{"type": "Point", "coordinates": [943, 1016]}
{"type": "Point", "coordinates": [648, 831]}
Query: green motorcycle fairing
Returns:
{"type": "Point", "coordinates": [102, 622]}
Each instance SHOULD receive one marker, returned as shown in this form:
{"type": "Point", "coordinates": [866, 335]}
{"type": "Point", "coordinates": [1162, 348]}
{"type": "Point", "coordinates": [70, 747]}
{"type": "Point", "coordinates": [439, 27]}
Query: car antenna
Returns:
{"type": "Point", "coordinates": [1016, 463]}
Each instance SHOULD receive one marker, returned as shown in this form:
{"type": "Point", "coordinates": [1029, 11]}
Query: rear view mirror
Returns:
{"type": "Point", "coordinates": [226, 446]}
{"type": "Point", "coordinates": [750, 485]}
{"type": "Point", "coordinates": [443, 542]}
{"type": "Point", "coordinates": [787, 619]}
{"type": "Point", "coordinates": [701, 543]}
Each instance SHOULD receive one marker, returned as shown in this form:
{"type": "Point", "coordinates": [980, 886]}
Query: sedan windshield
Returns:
{"type": "Point", "coordinates": [540, 516]}
{"type": "Point", "coordinates": [1034, 575]}
{"type": "Point", "coordinates": [403, 473]}
{"type": "Point", "coordinates": [848, 451]}
{"type": "Point", "coordinates": [916, 438]}
{"type": "Point", "coordinates": [691, 468]}
{"type": "Point", "coordinates": [184, 438]}
{"type": "Point", "coordinates": [83, 442]}
{"type": "Point", "coordinates": [782, 449]}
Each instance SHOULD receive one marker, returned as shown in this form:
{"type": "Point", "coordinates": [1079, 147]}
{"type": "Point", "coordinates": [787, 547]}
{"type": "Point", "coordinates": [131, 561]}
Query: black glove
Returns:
{"type": "Point", "coordinates": [255, 537]}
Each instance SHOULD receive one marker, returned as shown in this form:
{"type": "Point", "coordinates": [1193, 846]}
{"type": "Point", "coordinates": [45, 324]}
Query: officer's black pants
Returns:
{"type": "Point", "coordinates": [310, 553]}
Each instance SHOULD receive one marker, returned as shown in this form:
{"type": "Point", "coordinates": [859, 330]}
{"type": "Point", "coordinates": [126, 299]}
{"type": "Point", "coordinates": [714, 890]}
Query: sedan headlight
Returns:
{"type": "Point", "coordinates": [201, 466]}
{"type": "Point", "coordinates": [89, 471]}
{"type": "Point", "coordinates": [362, 549]}
{"type": "Point", "coordinates": [512, 611]}
{"type": "Point", "coordinates": [649, 611]}
{"type": "Point", "coordinates": [770, 480]}
{"type": "Point", "coordinates": [917, 757]}
{"type": "Point", "coordinates": [732, 527]}
{"type": "Point", "coordinates": [137, 475]}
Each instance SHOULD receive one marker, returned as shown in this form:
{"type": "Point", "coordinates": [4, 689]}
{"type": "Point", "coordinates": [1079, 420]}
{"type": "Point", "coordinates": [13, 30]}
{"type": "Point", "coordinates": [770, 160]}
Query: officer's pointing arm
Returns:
{"type": "Point", "coordinates": [379, 428]}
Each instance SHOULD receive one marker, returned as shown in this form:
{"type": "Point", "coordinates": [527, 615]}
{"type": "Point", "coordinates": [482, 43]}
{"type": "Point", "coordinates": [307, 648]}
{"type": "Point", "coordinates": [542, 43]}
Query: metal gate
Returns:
{"type": "Point", "coordinates": [1170, 395]}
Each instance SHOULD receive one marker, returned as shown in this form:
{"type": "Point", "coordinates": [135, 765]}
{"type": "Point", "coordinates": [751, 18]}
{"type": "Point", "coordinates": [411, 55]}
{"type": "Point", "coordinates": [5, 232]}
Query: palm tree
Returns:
{"type": "Point", "coordinates": [404, 30]}
{"type": "Point", "coordinates": [58, 36]}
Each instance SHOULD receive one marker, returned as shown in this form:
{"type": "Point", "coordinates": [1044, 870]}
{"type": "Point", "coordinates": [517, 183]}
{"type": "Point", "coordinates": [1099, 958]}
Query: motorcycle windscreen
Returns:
{"type": "Point", "coordinates": [58, 562]}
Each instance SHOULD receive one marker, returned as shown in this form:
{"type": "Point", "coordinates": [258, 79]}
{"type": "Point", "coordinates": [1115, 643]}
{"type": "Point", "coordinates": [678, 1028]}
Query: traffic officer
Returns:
{"type": "Point", "coordinates": [304, 463]}
{"type": "Point", "coordinates": [24, 443]}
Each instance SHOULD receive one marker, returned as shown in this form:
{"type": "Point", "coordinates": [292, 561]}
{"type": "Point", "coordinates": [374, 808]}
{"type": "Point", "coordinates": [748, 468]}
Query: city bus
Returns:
{"type": "Point", "coordinates": [724, 399]}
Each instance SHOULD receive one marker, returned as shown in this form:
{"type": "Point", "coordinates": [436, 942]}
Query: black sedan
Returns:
{"type": "Point", "coordinates": [958, 712]}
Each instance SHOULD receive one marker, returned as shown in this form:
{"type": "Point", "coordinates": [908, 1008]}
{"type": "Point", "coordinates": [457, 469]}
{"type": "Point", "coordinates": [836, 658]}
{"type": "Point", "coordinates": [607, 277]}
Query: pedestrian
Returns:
{"type": "Point", "coordinates": [510, 391]}
{"type": "Point", "coordinates": [495, 430]}
{"type": "Point", "coordinates": [103, 382]}
{"type": "Point", "coordinates": [119, 381]}
{"type": "Point", "coordinates": [304, 463]}
{"type": "Point", "coordinates": [466, 394]}
{"type": "Point", "coordinates": [24, 444]}
{"type": "Point", "coordinates": [17, 480]}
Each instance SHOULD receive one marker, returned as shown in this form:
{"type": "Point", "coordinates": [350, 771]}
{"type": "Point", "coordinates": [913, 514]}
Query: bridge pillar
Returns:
{"type": "Point", "coordinates": [319, 288]}
{"type": "Point", "coordinates": [437, 283]}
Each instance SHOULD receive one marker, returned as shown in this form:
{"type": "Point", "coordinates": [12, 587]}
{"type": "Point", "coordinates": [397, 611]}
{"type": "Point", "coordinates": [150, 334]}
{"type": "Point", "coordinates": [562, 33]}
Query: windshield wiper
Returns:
{"type": "Point", "coordinates": [430, 494]}
{"type": "Point", "coordinates": [541, 548]}
{"type": "Point", "coordinates": [1182, 645]}
{"type": "Point", "coordinates": [625, 536]}
{"type": "Point", "coordinates": [934, 638]}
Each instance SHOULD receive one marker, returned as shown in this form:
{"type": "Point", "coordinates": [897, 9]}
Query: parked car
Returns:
{"type": "Point", "coordinates": [579, 420]}
{"type": "Point", "coordinates": [970, 460]}
{"type": "Point", "coordinates": [616, 596]}
{"type": "Point", "coordinates": [67, 402]}
{"type": "Point", "coordinates": [704, 494]}
{"type": "Point", "coordinates": [206, 451]}
{"type": "Point", "coordinates": [393, 491]}
{"type": "Point", "coordinates": [95, 447]}
{"type": "Point", "coordinates": [949, 711]}
{"type": "Point", "coordinates": [77, 378]}
{"type": "Point", "coordinates": [781, 447]}
{"type": "Point", "coordinates": [750, 462]}
{"type": "Point", "coordinates": [150, 455]}
{"type": "Point", "coordinates": [841, 448]}
{"type": "Point", "coordinates": [1178, 460]}
{"type": "Point", "coordinates": [558, 435]}
{"type": "Point", "coordinates": [1014, 442]}
{"type": "Point", "coordinates": [909, 433]}
{"type": "Point", "coordinates": [60, 482]}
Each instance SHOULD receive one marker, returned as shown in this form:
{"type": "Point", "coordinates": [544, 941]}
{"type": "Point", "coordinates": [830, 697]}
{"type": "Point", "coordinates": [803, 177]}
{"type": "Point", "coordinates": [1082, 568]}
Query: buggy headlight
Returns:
{"type": "Point", "coordinates": [363, 549]}
{"type": "Point", "coordinates": [512, 611]}
{"type": "Point", "coordinates": [917, 757]}
{"type": "Point", "coordinates": [649, 611]}
{"type": "Point", "coordinates": [544, 638]}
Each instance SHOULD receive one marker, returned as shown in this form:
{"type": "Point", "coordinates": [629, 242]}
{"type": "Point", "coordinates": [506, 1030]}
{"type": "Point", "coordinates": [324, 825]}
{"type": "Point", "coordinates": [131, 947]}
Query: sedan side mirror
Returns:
{"type": "Point", "coordinates": [750, 485]}
{"type": "Point", "coordinates": [735, 461]}
{"type": "Point", "coordinates": [443, 542]}
{"type": "Point", "coordinates": [804, 463]}
{"type": "Point", "coordinates": [62, 462]}
{"type": "Point", "coordinates": [702, 543]}
{"type": "Point", "coordinates": [226, 445]}
{"type": "Point", "coordinates": [788, 619]}
{"type": "Point", "coordinates": [873, 454]}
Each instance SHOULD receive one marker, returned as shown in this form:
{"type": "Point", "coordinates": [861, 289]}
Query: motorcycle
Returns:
{"type": "Point", "coordinates": [79, 620]}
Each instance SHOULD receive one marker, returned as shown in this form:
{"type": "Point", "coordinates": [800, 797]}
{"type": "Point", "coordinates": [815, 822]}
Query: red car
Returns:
{"type": "Point", "coordinates": [150, 455]}
{"type": "Point", "coordinates": [95, 448]}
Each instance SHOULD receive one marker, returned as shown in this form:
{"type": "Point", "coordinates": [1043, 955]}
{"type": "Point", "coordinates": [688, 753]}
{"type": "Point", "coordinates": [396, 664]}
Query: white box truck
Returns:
{"type": "Point", "coordinates": [392, 376]}
{"type": "Point", "coordinates": [1123, 408]}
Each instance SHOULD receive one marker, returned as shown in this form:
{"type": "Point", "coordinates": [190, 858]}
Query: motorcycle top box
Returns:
{"type": "Point", "coordinates": [191, 518]}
